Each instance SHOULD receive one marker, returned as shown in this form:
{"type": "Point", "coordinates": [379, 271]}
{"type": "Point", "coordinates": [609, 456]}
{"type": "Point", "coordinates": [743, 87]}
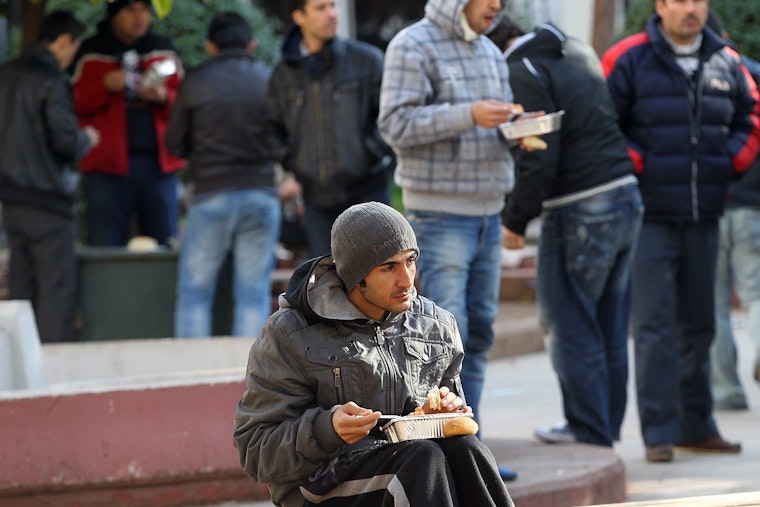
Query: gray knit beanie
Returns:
{"type": "Point", "coordinates": [364, 236]}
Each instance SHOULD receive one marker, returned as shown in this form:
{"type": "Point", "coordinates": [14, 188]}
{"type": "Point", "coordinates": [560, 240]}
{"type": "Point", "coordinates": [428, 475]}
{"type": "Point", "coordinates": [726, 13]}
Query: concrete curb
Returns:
{"type": "Point", "coordinates": [561, 475]}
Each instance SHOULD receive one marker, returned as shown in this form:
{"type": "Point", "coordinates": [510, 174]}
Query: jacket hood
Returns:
{"type": "Point", "coordinates": [546, 41]}
{"type": "Point", "coordinates": [315, 64]}
{"type": "Point", "coordinates": [317, 292]}
{"type": "Point", "coordinates": [447, 14]}
{"type": "Point", "coordinates": [290, 49]}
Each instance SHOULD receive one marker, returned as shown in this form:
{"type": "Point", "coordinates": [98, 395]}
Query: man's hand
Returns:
{"type": "Point", "coordinates": [158, 94]}
{"type": "Point", "coordinates": [352, 422]}
{"type": "Point", "coordinates": [93, 135]}
{"type": "Point", "coordinates": [115, 81]}
{"type": "Point", "coordinates": [511, 240]}
{"type": "Point", "coordinates": [492, 113]}
{"type": "Point", "coordinates": [450, 402]}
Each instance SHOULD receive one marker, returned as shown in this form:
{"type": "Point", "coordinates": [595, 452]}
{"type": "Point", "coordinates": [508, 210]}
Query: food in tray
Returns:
{"type": "Point", "coordinates": [534, 143]}
{"type": "Point", "coordinates": [434, 398]}
{"type": "Point", "coordinates": [459, 426]}
{"type": "Point", "coordinates": [531, 124]}
{"type": "Point", "coordinates": [417, 427]}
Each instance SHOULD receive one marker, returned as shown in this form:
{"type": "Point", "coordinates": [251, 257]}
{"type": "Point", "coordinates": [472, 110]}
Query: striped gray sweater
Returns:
{"type": "Point", "coordinates": [432, 76]}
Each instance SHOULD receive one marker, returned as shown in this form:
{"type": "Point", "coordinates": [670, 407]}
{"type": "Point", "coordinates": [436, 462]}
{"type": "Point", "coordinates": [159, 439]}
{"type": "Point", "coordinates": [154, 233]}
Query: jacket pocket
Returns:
{"type": "Point", "coordinates": [426, 363]}
{"type": "Point", "coordinates": [337, 372]}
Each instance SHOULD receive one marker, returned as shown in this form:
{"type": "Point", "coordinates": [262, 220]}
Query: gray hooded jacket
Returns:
{"type": "Point", "coordinates": [317, 352]}
{"type": "Point", "coordinates": [433, 74]}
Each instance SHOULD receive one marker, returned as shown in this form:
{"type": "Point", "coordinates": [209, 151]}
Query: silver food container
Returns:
{"type": "Point", "coordinates": [417, 427]}
{"type": "Point", "coordinates": [532, 126]}
{"type": "Point", "coordinates": [158, 73]}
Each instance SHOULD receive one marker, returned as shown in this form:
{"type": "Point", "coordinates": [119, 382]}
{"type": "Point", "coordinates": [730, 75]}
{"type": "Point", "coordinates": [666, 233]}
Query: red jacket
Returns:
{"type": "Point", "coordinates": [107, 111]}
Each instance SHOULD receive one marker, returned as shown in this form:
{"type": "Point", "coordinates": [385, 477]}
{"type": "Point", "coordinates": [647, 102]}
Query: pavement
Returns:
{"type": "Point", "coordinates": [521, 392]}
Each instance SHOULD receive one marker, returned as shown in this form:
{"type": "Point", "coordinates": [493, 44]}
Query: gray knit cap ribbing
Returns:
{"type": "Point", "coordinates": [365, 235]}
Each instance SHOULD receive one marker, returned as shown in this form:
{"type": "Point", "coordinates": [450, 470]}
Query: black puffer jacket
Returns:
{"type": "Point", "coordinates": [40, 140]}
{"type": "Point", "coordinates": [549, 71]}
{"type": "Point", "coordinates": [217, 122]}
{"type": "Point", "coordinates": [688, 136]}
{"type": "Point", "coordinates": [325, 120]}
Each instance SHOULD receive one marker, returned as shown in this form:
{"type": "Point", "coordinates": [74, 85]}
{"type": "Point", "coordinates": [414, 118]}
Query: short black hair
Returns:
{"type": "Point", "coordinates": [505, 29]}
{"type": "Point", "coordinates": [58, 23]}
{"type": "Point", "coordinates": [229, 29]}
{"type": "Point", "coordinates": [297, 5]}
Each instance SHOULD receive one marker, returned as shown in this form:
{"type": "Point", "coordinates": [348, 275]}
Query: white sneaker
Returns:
{"type": "Point", "coordinates": [558, 434]}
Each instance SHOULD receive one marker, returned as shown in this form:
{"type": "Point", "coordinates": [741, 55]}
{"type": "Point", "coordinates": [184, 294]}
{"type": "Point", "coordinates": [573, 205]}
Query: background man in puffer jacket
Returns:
{"type": "Point", "coordinates": [685, 105]}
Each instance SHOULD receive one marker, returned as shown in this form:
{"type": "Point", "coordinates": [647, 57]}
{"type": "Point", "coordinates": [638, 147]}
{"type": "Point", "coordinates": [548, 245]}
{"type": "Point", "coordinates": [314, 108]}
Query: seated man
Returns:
{"type": "Point", "coordinates": [351, 341]}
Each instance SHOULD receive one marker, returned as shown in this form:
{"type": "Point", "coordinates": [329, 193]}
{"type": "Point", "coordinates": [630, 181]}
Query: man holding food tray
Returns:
{"type": "Point", "coordinates": [352, 343]}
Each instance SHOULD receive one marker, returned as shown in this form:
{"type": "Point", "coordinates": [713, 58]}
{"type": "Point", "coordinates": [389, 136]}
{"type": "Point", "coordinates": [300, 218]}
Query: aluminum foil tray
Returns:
{"type": "Point", "coordinates": [417, 427]}
{"type": "Point", "coordinates": [532, 126]}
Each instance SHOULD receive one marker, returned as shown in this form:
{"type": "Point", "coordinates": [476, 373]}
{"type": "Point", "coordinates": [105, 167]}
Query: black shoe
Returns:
{"type": "Point", "coordinates": [507, 474]}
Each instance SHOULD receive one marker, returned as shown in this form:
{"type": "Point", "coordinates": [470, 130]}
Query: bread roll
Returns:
{"type": "Point", "coordinates": [434, 398]}
{"type": "Point", "coordinates": [460, 426]}
{"type": "Point", "coordinates": [534, 143]}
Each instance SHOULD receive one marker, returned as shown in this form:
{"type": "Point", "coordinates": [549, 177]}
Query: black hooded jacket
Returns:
{"type": "Point", "coordinates": [551, 72]}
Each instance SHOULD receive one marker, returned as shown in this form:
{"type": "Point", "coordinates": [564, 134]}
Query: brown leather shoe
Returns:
{"type": "Point", "coordinates": [714, 444]}
{"type": "Point", "coordinates": [660, 453]}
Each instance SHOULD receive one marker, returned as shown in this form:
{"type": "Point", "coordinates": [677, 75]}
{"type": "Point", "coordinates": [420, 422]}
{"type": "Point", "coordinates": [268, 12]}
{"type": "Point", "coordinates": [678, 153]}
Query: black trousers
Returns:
{"type": "Point", "coordinates": [447, 472]}
{"type": "Point", "coordinates": [43, 267]}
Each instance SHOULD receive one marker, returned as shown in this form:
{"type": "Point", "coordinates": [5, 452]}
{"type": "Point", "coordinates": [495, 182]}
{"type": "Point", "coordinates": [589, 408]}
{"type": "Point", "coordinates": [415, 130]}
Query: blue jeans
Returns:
{"type": "Point", "coordinates": [673, 314]}
{"type": "Point", "coordinates": [113, 200]}
{"type": "Point", "coordinates": [584, 265]}
{"type": "Point", "coordinates": [738, 268]}
{"type": "Point", "coordinates": [459, 268]}
{"type": "Point", "coordinates": [246, 223]}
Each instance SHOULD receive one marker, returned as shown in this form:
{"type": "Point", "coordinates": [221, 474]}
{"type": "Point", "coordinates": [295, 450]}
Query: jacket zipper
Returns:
{"type": "Point", "coordinates": [390, 367]}
{"type": "Point", "coordinates": [339, 391]}
{"type": "Point", "coordinates": [695, 112]}
{"type": "Point", "coordinates": [318, 109]}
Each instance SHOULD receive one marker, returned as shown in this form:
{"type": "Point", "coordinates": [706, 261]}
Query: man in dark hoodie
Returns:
{"type": "Point", "coordinates": [353, 341]}
{"type": "Point", "coordinates": [130, 172]}
{"type": "Point", "coordinates": [40, 143]}
{"type": "Point", "coordinates": [325, 93]}
{"type": "Point", "coordinates": [584, 188]}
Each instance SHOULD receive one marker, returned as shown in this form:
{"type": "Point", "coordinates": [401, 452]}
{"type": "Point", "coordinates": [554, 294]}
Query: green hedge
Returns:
{"type": "Point", "coordinates": [186, 25]}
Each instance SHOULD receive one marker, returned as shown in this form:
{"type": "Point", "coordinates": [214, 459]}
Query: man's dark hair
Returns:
{"type": "Point", "coordinates": [504, 30]}
{"type": "Point", "coordinates": [297, 5]}
{"type": "Point", "coordinates": [230, 30]}
{"type": "Point", "coordinates": [58, 23]}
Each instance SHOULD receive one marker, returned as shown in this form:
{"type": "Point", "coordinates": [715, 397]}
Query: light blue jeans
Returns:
{"type": "Point", "coordinates": [459, 268]}
{"type": "Point", "coordinates": [245, 223]}
{"type": "Point", "coordinates": [738, 268]}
